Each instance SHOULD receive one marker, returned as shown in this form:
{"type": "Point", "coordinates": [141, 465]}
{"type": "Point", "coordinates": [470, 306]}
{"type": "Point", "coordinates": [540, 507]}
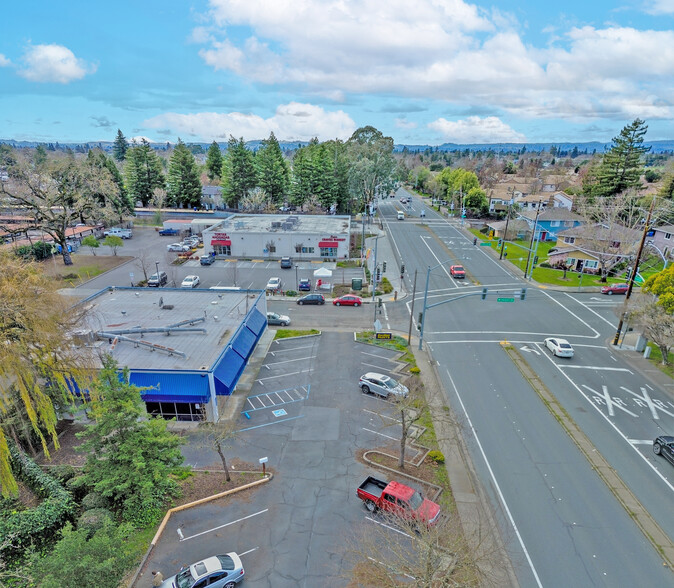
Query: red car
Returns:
{"type": "Point", "coordinates": [457, 271]}
{"type": "Point", "coordinates": [614, 289]}
{"type": "Point", "coordinates": [348, 300]}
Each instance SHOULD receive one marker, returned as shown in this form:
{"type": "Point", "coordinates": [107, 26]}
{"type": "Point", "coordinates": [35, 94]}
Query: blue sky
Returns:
{"type": "Point", "coordinates": [423, 72]}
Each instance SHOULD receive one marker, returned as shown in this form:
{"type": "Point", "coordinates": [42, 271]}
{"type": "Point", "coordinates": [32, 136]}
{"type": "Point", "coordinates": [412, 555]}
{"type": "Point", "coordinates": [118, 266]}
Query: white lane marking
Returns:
{"type": "Point", "coordinates": [613, 425]}
{"type": "Point", "coordinates": [641, 441]}
{"type": "Point", "coordinates": [372, 354]}
{"type": "Point", "coordinates": [610, 402]}
{"type": "Point", "coordinates": [382, 434]}
{"type": "Point", "coordinates": [383, 416]}
{"type": "Point", "coordinates": [226, 524]}
{"type": "Point", "coordinates": [444, 269]}
{"type": "Point", "coordinates": [596, 368]}
{"type": "Point", "coordinates": [496, 484]}
{"type": "Point", "coordinates": [645, 400]}
{"type": "Point", "coordinates": [592, 311]}
{"type": "Point", "coordinates": [379, 369]}
{"type": "Point", "coordinates": [249, 551]}
{"type": "Point", "coordinates": [291, 348]}
{"type": "Point", "coordinates": [573, 314]}
{"type": "Point", "coordinates": [261, 380]}
{"type": "Point", "coordinates": [310, 357]}
{"type": "Point", "coordinates": [388, 527]}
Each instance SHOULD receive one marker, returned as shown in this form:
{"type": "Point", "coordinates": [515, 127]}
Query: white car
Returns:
{"type": "Point", "coordinates": [190, 282]}
{"type": "Point", "coordinates": [177, 247]}
{"type": "Point", "coordinates": [382, 385]}
{"type": "Point", "coordinates": [274, 284]}
{"type": "Point", "coordinates": [559, 347]}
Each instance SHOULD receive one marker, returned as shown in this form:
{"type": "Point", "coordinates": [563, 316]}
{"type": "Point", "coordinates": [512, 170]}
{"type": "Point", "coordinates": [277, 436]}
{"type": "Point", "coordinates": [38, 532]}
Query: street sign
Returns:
{"type": "Point", "coordinates": [505, 300]}
{"type": "Point", "coordinates": [485, 244]}
{"type": "Point", "coordinates": [383, 336]}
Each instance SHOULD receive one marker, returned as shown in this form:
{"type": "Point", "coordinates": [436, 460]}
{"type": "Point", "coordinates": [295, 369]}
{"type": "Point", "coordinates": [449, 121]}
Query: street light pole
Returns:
{"type": "Point", "coordinates": [531, 244]}
{"type": "Point", "coordinates": [374, 278]}
{"type": "Point", "coordinates": [423, 312]}
{"type": "Point", "coordinates": [505, 235]}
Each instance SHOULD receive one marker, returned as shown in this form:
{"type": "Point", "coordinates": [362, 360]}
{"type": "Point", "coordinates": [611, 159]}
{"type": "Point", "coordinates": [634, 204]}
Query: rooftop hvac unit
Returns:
{"type": "Point", "coordinates": [292, 219]}
{"type": "Point", "coordinates": [288, 226]}
{"type": "Point", "coordinates": [276, 225]}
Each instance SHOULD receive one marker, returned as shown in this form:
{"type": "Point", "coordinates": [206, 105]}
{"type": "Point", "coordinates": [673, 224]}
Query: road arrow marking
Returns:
{"type": "Point", "coordinates": [529, 350]}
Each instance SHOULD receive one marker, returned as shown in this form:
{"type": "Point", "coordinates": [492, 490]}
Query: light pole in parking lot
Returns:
{"type": "Point", "coordinates": [296, 282]}
{"type": "Point", "coordinates": [156, 265]}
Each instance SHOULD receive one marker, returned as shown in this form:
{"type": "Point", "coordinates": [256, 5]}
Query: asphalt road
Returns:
{"type": "Point", "coordinates": [562, 524]}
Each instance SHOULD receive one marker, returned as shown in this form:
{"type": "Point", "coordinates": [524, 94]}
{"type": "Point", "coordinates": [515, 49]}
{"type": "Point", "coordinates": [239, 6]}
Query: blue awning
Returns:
{"type": "Point", "coordinates": [172, 387]}
{"type": "Point", "coordinates": [227, 372]}
{"type": "Point", "coordinates": [256, 322]}
{"type": "Point", "coordinates": [244, 341]}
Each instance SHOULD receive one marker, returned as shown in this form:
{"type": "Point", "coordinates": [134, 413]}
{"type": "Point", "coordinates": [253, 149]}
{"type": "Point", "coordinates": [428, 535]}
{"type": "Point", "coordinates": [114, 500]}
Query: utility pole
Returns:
{"type": "Point", "coordinates": [634, 273]}
{"type": "Point", "coordinates": [414, 291]}
{"type": "Point", "coordinates": [505, 235]}
{"type": "Point", "coordinates": [531, 244]}
{"type": "Point", "coordinates": [374, 278]}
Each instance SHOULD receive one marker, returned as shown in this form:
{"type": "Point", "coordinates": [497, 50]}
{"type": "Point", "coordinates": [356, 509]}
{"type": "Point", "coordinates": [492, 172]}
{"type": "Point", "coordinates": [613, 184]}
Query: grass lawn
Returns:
{"type": "Point", "coordinates": [656, 359]}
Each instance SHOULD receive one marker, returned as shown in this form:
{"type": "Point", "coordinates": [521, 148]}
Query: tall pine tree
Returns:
{"type": "Point", "coordinates": [143, 172]}
{"type": "Point", "coordinates": [238, 172]}
{"type": "Point", "coordinates": [120, 146]}
{"type": "Point", "coordinates": [273, 172]}
{"type": "Point", "coordinates": [214, 162]}
{"type": "Point", "coordinates": [183, 186]}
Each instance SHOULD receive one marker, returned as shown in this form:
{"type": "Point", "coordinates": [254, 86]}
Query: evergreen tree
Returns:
{"type": "Point", "coordinates": [214, 162]}
{"type": "Point", "coordinates": [143, 172]}
{"type": "Point", "coordinates": [119, 203]}
{"type": "Point", "coordinates": [120, 146]}
{"type": "Point", "coordinates": [238, 172]}
{"type": "Point", "coordinates": [273, 172]}
{"type": "Point", "coordinates": [622, 165]}
{"type": "Point", "coordinates": [130, 456]}
{"type": "Point", "coordinates": [40, 156]}
{"type": "Point", "coordinates": [183, 183]}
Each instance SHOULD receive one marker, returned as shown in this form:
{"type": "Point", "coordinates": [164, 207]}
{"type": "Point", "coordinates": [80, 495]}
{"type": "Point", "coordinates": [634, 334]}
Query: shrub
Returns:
{"type": "Point", "coordinates": [93, 520]}
{"type": "Point", "coordinates": [77, 487]}
{"type": "Point", "coordinates": [414, 370]}
{"type": "Point", "coordinates": [94, 500]}
{"type": "Point", "coordinates": [436, 456]}
{"type": "Point", "coordinates": [62, 472]}
{"type": "Point", "coordinates": [544, 264]}
{"type": "Point", "coordinates": [386, 286]}
{"type": "Point", "coordinates": [291, 293]}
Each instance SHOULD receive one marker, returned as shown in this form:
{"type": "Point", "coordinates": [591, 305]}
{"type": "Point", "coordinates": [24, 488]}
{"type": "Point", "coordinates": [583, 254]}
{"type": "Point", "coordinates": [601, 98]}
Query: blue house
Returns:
{"type": "Point", "coordinates": [551, 221]}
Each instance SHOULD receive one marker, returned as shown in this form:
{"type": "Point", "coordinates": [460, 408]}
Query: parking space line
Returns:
{"type": "Point", "coordinates": [288, 361]}
{"type": "Point", "coordinates": [383, 416]}
{"type": "Point", "coordinates": [261, 380]}
{"type": "Point", "coordinates": [381, 369]}
{"type": "Point", "coordinates": [273, 353]}
{"type": "Point", "coordinates": [388, 527]}
{"type": "Point", "coordinates": [382, 434]}
{"type": "Point", "coordinates": [226, 525]}
{"type": "Point", "coordinates": [249, 551]}
{"type": "Point", "coordinates": [272, 423]}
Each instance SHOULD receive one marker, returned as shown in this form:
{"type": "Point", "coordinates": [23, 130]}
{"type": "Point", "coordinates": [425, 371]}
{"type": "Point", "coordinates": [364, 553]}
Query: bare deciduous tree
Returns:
{"type": "Point", "coordinates": [219, 437]}
{"type": "Point", "coordinates": [656, 323]}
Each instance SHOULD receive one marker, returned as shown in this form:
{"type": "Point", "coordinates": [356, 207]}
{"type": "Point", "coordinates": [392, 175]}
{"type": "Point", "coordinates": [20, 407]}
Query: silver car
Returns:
{"type": "Point", "coordinates": [219, 571]}
{"type": "Point", "coordinates": [382, 385]}
{"type": "Point", "coordinates": [274, 318]}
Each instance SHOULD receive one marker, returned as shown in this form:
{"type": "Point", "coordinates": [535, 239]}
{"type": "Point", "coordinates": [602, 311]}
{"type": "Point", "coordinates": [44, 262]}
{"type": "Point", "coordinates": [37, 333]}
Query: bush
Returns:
{"type": "Point", "coordinates": [93, 520]}
{"type": "Point", "coordinates": [291, 293]}
{"type": "Point", "coordinates": [386, 286]}
{"type": "Point", "coordinates": [94, 500]}
{"type": "Point", "coordinates": [544, 264]}
{"type": "Point", "coordinates": [436, 456]}
{"type": "Point", "coordinates": [62, 472]}
{"type": "Point", "coordinates": [77, 487]}
{"type": "Point", "coordinates": [414, 370]}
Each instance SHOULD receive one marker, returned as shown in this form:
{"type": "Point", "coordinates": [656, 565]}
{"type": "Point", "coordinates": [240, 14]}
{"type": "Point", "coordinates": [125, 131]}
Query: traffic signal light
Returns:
{"type": "Point", "coordinates": [500, 242]}
{"type": "Point", "coordinates": [402, 268]}
{"type": "Point", "coordinates": [523, 293]}
{"type": "Point", "coordinates": [378, 274]}
{"type": "Point", "coordinates": [383, 266]}
{"type": "Point", "coordinates": [484, 293]}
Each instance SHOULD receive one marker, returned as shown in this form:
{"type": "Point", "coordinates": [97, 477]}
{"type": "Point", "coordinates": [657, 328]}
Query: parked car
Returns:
{"type": "Point", "coordinates": [206, 260]}
{"type": "Point", "coordinates": [399, 500]}
{"type": "Point", "coordinates": [615, 289]}
{"type": "Point", "coordinates": [180, 247]}
{"type": "Point", "coordinates": [311, 299]}
{"type": "Point", "coordinates": [219, 571]}
{"type": "Point", "coordinates": [348, 300]}
{"type": "Point", "coordinates": [158, 279]}
{"type": "Point", "coordinates": [118, 232]}
{"type": "Point", "coordinates": [457, 272]}
{"type": "Point", "coordinates": [304, 285]}
{"type": "Point", "coordinates": [274, 284]}
{"type": "Point", "coordinates": [559, 347]}
{"type": "Point", "coordinates": [286, 263]}
{"type": "Point", "coordinates": [274, 318]}
{"type": "Point", "coordinates": [169, 232]}
{"type": "Point", "coordinates": [190, 282]}
{"type": "Point", "coordinates": [664, 445]}
{"type": "Point", "coordinates": [381, 385]}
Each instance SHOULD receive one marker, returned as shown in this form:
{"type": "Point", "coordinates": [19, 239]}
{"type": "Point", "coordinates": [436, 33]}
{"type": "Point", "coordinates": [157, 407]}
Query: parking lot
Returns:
{"type": "Point", "coordinates": [306, 414]}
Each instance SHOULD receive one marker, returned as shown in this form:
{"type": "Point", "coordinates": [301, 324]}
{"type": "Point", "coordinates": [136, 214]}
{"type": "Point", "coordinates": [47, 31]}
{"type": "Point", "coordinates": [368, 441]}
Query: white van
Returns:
{"type": "Point", "coordinates": [401, 215]}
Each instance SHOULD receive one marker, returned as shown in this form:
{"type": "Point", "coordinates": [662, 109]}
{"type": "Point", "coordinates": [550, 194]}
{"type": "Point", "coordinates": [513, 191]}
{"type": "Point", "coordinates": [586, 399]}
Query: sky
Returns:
{"type": "Point", "coordinates": [423, 72]}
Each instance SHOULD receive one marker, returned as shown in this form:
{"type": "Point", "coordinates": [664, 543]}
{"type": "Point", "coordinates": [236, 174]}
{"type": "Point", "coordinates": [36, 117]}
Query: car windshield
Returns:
{"type": "Point", "coordinates": [458, 268]}
{"type": "Point", "coordinates": [390, 383]}
{"type": "Point", "coordinates": [565, 346]}
{"type": "Point", "coordinates": [416, 501]}
{"type": "Point", "coordinates": [153, 277]}
{"type": "Point", "coordinates": [184, 579]}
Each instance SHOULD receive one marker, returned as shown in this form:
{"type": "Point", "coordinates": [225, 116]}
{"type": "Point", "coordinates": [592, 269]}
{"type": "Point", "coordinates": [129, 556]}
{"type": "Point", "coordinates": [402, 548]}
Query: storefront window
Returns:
{"type": "Point", "coordinates": [181, 411]}
{"type": "Point", "coordinates": [328, 251]}
{"type": "Point", "coordinates": [222, 249]}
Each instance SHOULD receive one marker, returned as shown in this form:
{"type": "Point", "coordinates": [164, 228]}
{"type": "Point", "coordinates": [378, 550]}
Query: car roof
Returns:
{"type": "Point", "coordinates": [376, 376]}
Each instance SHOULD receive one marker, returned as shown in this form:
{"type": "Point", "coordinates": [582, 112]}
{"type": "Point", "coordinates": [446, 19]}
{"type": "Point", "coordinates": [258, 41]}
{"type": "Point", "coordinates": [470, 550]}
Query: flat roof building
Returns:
{"type": "Point", "coordinates": [280, 235]}
{"type": "Point", "coordinates": [188, 348]}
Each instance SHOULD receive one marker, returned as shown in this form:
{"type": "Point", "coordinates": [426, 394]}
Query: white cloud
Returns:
{"type": "Point", "coordinates": [448, 51]}
{"type": "Point", "coordinates": [53, 63]}
{"type": "Point", "coordinates": [291, 122]}
{"type": "Point", "coordinates": [4, 61]}
{"type": "Point", "coordinates": [659, 6]}
{"type": "Point", "coordinates": [474, 129]}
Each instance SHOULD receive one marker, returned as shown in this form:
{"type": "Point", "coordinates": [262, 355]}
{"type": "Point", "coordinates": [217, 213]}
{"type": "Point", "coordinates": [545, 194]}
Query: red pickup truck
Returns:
{"type": "Point", "coordinates": [397, 499]}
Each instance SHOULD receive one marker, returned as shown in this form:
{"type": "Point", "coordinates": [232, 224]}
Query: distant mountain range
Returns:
{"type": "Point", "coordinates": [590, 147]}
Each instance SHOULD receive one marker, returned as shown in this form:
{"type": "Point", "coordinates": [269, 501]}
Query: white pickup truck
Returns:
{"type": "Point", "coordinates": [118, 232]}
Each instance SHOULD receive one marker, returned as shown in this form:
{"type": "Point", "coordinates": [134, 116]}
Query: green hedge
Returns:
{"type": "Point", "coordinates": [40, 524]}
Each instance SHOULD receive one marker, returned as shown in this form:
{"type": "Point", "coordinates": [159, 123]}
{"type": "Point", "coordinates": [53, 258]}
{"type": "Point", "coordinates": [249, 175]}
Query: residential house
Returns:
{"type": "Point", "coordinates": [663, 239]}
{"type": "Point", "coordinates": [594, 248]}
{"type": "Point", "coordinates": [211, 198]}
{"type": "Point", "coordinates": [518, 229]}
{"type": "Point", "coordinates": [551, 221]}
